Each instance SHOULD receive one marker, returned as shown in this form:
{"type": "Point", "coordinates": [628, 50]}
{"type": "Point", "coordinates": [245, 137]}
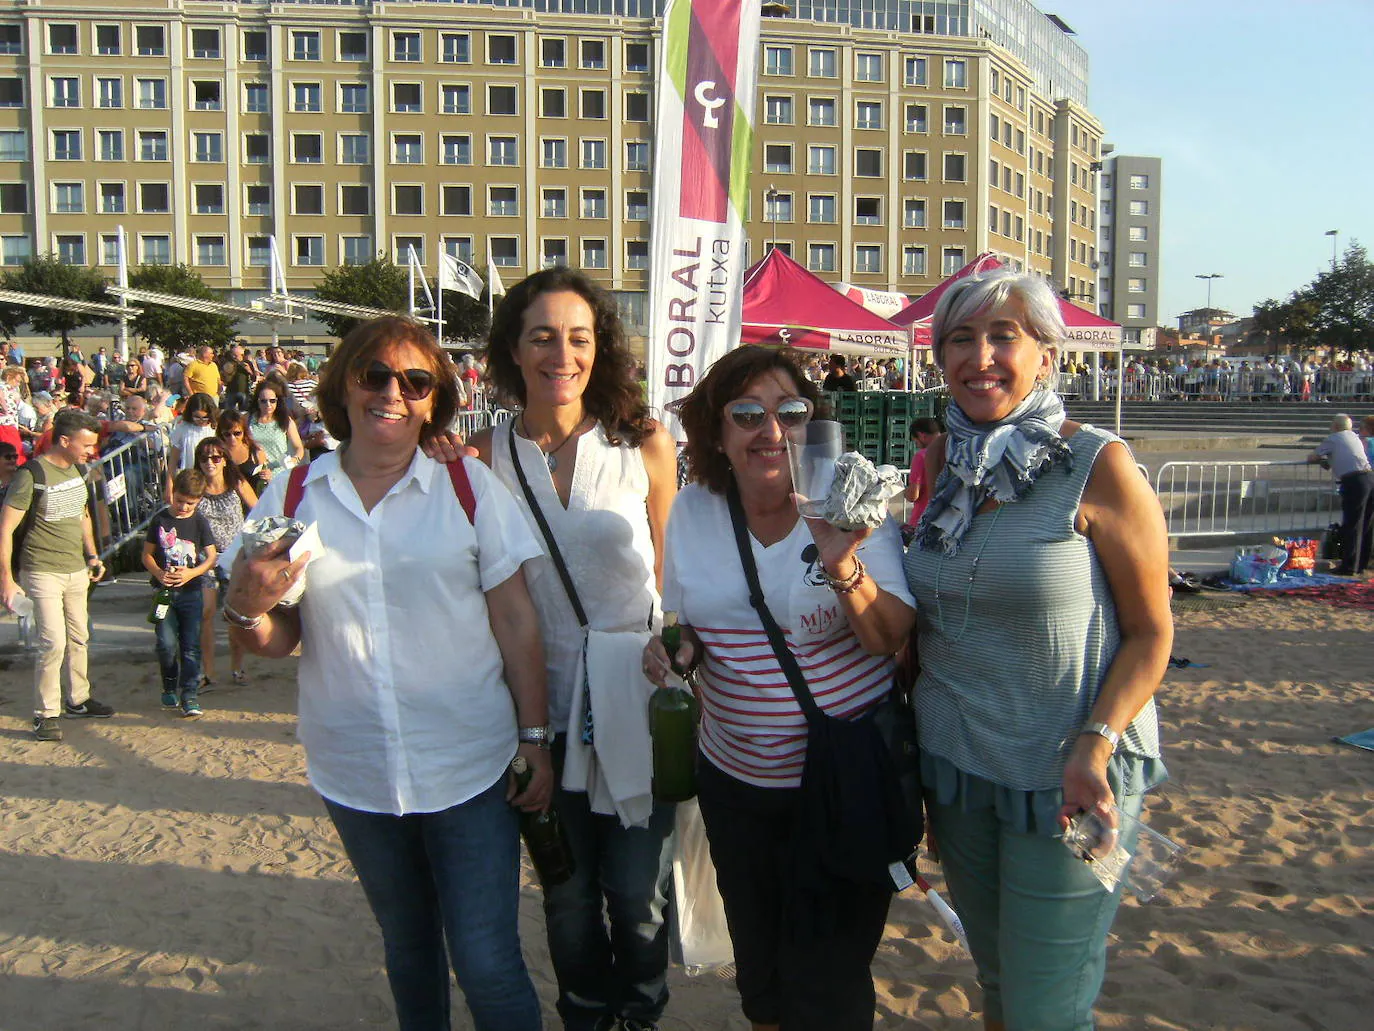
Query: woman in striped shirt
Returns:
{"type": "Point", "coordinates": [845, 609]}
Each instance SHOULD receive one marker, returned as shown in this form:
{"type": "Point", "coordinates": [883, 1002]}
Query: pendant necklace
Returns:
{"type": "Point", "coordinates": [550, 456]}
{"type": "Point", "coordinates": [968, 588]}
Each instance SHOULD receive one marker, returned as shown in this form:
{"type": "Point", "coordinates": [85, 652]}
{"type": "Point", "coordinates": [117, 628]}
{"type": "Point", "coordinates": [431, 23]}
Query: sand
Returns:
{"type": "Point", "coordinates": [169, 874]}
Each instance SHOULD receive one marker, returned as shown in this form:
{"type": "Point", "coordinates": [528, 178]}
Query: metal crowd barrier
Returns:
{"type": "Point", "coordinates": [1229, 499]}
{"type": "Point", "coordinates": [1225, 385]}
{"type": "Point", "coordinates": [468, 423]}
{"type": "Point", "coordinates": [129, 482]}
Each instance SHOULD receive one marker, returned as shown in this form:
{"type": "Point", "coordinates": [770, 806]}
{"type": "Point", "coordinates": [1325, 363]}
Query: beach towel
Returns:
{"type": "Point", "coordinates": [1364, 739]}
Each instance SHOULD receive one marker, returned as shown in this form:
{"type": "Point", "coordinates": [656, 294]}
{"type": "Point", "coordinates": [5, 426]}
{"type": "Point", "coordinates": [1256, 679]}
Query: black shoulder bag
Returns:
{"type": "Point", "coordinates": [856, 818]}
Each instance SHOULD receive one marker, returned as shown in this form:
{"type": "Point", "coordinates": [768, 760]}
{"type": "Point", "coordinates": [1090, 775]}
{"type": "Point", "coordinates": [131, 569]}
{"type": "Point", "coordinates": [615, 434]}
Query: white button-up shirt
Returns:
{"type": "Point", "coordinates": [404, 706]}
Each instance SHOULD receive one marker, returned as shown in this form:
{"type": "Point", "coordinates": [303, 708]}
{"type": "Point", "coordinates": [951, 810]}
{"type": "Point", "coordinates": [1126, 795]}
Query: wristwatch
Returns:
{"type": "Point", "coordinates": [1101, 729]}
{"type": "Point", "coordinates": [541, 736]}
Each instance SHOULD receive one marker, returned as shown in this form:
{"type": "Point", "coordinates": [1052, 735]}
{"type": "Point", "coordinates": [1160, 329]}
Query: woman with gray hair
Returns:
{"type": "Point", "coordinates": [1040, 574]}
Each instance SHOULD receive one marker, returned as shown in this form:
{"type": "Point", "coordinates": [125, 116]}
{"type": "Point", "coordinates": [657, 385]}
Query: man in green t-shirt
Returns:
{"type": "Point", "coordinates": [57, 562]}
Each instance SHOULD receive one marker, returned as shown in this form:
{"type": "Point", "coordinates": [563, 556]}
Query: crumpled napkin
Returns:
{"type": "Point", "coordinates": [859, 493]}
{"type": "Point", "coordinates": [257, 534]}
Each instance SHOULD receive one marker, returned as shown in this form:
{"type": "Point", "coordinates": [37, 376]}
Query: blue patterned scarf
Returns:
{"type": "Point", "coordinates": [991, 460]}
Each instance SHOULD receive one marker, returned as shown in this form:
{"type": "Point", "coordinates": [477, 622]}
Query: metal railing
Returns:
{"type": "Point", "coordinates": [1225, 385]}
{"type": "Point", "coordinates": [128, 488]}
{"type": "Point", "coordinates": [1230, 499]}
{"type": "Point", "coordinates": [468, 423]}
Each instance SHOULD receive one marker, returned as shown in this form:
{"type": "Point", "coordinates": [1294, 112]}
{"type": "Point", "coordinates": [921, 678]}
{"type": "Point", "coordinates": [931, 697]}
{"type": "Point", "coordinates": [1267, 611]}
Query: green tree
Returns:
{"type": "Point", "coordinates": [465, 319]}
{"type": "Point", "coordinates": [177, 329]}
{"type": "Point", "coordinates": [1286, 325]}
{"type": "Point", "coordinates": [1344, 302]}
{"type": "Point", "coordinates": [379, 283]}
{"type": "Point", "coordinates": [48, 276]}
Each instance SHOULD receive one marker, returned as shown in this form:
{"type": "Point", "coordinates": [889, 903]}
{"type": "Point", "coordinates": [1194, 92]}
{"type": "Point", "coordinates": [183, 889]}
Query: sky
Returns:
{"type": "Point", "coordinates": [1261, 111]}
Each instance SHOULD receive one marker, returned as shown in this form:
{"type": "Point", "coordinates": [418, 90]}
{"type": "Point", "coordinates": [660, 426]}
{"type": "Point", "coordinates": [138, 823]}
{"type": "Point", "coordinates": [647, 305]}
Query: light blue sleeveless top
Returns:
{"type": "Point", "coordinates": [1013, 659]}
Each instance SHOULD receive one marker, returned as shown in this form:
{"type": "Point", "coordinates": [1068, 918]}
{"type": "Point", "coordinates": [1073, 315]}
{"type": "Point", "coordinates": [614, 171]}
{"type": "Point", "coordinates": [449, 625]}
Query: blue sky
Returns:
{"type": "Point", "coordinates": [1261, 113]}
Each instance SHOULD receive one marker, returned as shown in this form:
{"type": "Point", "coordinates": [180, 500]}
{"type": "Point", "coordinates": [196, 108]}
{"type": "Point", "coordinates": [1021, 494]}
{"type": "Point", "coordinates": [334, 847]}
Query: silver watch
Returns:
{"type": "Point", "coordinates": [1102, 730]}
{"type": "Point", "coordinates": [541, 736]}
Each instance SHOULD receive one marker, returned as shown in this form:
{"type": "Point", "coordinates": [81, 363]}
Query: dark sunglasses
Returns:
{"type": "Point", "coordinates": [214, 456]}
{"type": "Point", "coordinates": [750, 415]}
{"type": "Point", "coordinates": [265, 400]}
{"type": "Point", "coordinates": [414, 384]}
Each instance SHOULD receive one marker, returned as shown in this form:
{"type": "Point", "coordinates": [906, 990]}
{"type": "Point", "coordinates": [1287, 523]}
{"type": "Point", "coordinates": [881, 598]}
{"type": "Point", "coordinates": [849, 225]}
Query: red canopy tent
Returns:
{"type": "Point", "coordinates": [1087, 331]}
{"type": "Point", "coordinates": [785, 304]}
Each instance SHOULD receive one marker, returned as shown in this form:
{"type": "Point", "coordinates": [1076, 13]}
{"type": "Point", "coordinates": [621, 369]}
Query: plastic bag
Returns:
{"type": "Point", "coordinates": [1258, 564]}
{"type": "Point", "coordinates": [702, 942]}
{"type": "Point", "coordinates": [1302, 554]}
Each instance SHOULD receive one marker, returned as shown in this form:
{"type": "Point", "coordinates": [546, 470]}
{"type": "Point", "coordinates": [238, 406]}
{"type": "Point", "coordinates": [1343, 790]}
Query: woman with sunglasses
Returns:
{"type": "Point", "coordinates": [197, 422]}
{"type": "Point", "coordinates": [845, 608]}
{"type": "Point", "coordinates": [227, 497]}
{"type": "Point", "coordinates": [421, 674]}
{"type": "Point", "coordinates": [603, 475]}
{"type": "Point", "coordinates": [273, 429]}
{"type": "Point", "coordinates": [245, 453]}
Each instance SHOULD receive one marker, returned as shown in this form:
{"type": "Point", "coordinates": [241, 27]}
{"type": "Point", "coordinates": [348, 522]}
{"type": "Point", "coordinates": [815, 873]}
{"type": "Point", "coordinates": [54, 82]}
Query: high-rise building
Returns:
{"type": "Point", "coordinates": [895, 140]}
{"type": "Point", "coordinates": [1128, 274]}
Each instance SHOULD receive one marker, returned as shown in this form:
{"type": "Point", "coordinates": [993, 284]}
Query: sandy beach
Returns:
{"type": "Point", "coordinates": [168, 874]}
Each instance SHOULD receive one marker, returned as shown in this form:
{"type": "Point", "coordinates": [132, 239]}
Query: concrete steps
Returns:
{"type": "Point", "coordinates": [1298, 421]}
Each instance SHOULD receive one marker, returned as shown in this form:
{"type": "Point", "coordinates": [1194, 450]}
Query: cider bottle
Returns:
{"type": "Point", "coordinates": [673, 713]}
{"type": "Point", "coordinates": [544, 836]}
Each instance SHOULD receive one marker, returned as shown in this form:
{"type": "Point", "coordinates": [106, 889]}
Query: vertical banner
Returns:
{"type": "Point", "coordinates": [703, 146]}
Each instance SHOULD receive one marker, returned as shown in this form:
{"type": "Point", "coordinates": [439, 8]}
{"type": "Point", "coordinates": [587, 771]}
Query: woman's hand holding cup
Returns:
{"type": "Point", "coordinates": [258, 582]}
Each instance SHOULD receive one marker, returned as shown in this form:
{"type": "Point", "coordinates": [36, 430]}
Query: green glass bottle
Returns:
{"type": "Point", "coordinates": [673, 714]}
{"type": "Point", "coordinates": [162, 604]}
{"type": "Point", "coordinates": [544, 836]}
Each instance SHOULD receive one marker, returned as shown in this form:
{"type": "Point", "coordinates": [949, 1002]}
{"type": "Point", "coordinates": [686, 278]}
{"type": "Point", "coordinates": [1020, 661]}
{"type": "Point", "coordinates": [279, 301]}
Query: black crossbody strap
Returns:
{"type": "Point", "coordinates": [795, 678]}
{"type": "Point", "coordinates": [554, 553]}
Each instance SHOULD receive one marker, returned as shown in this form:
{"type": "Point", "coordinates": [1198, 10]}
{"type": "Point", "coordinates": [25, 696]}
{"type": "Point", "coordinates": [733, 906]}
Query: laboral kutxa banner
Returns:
{"type": "Point", "coordinates": [703, 144]}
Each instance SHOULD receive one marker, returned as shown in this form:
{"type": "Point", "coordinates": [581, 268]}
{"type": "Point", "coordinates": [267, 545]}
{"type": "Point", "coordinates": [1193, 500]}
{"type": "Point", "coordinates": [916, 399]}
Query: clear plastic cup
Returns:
{"type": "Point", "coordinates": [1123, 849]}
{"type": "Point", "coordinates": [811, 453]}
{"type": "Point", "coordinates": [23, 606]}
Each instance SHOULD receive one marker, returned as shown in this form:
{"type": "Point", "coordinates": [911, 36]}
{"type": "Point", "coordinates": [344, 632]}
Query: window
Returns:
{"type": "Point", "coordinates": [305, 97]}
{"type": "Point", "coordinates": [354, 98]}
{"type": "Point", "coordinates": [913, 260]}
{"type": "Point", "coordinates": [12, 91]}
{"type": "Point", "coordinates": [405, 244]}
{"type": "Point", "coordinates": [956, 121]}
{"type": "Point", "coordinates": [258, 199]}
{"type": "Point", "coordinates": [868, 114]}
{"type": "Point", "coordinates": [593, 103]}
{"type": "Point", "coordinates": [956, 168]}
{"type": "Point", "coordinates": [637, 155]}
{"type": "Point", "coordinates": [503, 201]}
{"type": "Point", "coordinates": [357, 250]}
{"type": "Point", "coordinates": [305, 45]}
{"type": "Point", "coordinates": [953, 217]}
{"type": "Point", "coordinates": [256, 98]}
{"type": "Point", "coordinates": [554, 202]}
{"type": "Point", "coordinates": [593, 153]}
{"type": "Point", "coordinates": [821, 209]}
{"type": "Point", "coordinates": [309, 250]}
{"type": "Point", "coordinates": [355, 148]}
{"type": "Point", "coordinates": [501, 100]}
{"type": "Point", "coordinates": [777, 60]}
{"type": "Point", "coordinates": [553, 251]}
{"type": "Point", "coordinates": [500, 49]}
{"type": "Point", "coordinates": [636, 57]}
{"type": "Point", "coordinates": [777, 110]}
{"type": "Point", "coordinates": [406, 98]}
{"type": "Point", "coordinates": [956, 75]}
{"type": "Point", "coordinates": [66, 145]}
{"type": "Point", "coordinates": [155, 250]}
{"type": "Point", "coordinates": [109, 249]}
{"type": "Point", "coordinates": [71, 248]}
{"type": "Point", "coordinates": [208, 198]}
{"type": "Point", "coordinates": [1139, 182]}
{"type": "Point", "coordinates": [951, 260]}
{"type": "Point", "coordinates": [593, 253]}
{"type": "Point", "coordinates": [255, 45]}
{"type": "Point", "coordinates": [637, 206]}
{"type": "Point", "coordinates": [1135, 286]}
{"type": "Point", "coordinates": [307, 148]}
{"type": "Point", "coordinates": [207, 95]}
{"type": "Point", "coordinates": [14, 145]}
{"type": "Point", "coordinates": [154, 198]}
{"type": "Point", "coordinates": [407, 200]}
{"type": "Point", "coordinates": [820, 159]}
{"type": "Point", "coordinates": [455, 98]}
{"type": "Point", "coordinates": [868, 67]}
{"type": "Point", "coordinates": [355, 199]}
{"type": "Point", "coordinates": [917, 118]}
{"type": "Point", "coordinates": [1135, 311]}
{"type": "Point", "coordinates": [407, 148]}
{"type": "Point", "coordinates": [594, 203]}
{"type": "Point", "coordinates": [110, 144]}
{"type": "Point", "coordinates": [820, 257]}
{"type": "Point", "coordinates": [822, 62]}
{"type": "Point", "coordinates": [553, 153]}
{"type": "Point", "coordinates": [208, 146]}
{"type": "Point", "coordinates": [868, 211]}
{"type": "Point", "coordinates": [209, 250]}
{"type": "Point", "coordinates": [62, 39]}
{"type": "Point", "coordinates": [150, 41]}
{"type": "Point", "coordinates": [553, 53]}
{"type": "Point", "coordinates": [777, 158]}
{"type": "Point", "coordinates": [107, 41]}
{"type": "Point", "coordinates": [459, 246]}
{"type": "Point", "coordinates": [868, 162]}
{"type": "Point", "coordinates": [592, 54]}
{"type": "Point", "coordinates": [69, 198]}
{"type": "Point", "coordinates": [914, 213]}
{"type": "Point", "coordinates": [502, 150]}
{"type": "Point", "coordinates": [307, 199]}
{"type": "Point", "coordinates": [992, 218]}
{"type": "Point", "coordinates": [64, 91]}
{"type": "Point", "coordinates": [914, 71]}
{"type": "Point", "coordinates": [636, 107]}
{"type": "Point", "coordinates": [504, 251]}
{"type": "Point", "coordinates": [455, 149]}
{"type": "Point", "coordinates": [17, 249]}
{"type": "Point", "coordinates": [259, 252]}
{"type": "Point", "coordinates": [1138, 207]}
{"type": "Point", "coordinates": [14, 199]}
{"type": "Point", "coordinates": [821, 111]}
{"type": "Point", "coordinates": [455, 200]}
{"type": "Point", "coordinates": [1138, 234]}
{"type": "Point", "coordinates": [1138, 259]}
{"type": "Point", "coordinates": [455, 48]}
{"type": "Point", "coordinates": [636, 254]}
{"type": "Point", "coordinates": [353, 46]}
{"type": "Point", "coordinates": [205, 44]}
{"type": "Point", "coordinates": [405, 46]}
{"type": "Point", "coordinates": [868, 257]}
{"type": "Point", "coordinates": [553, 102]}
{"type": "Point", "coordinates": [152, 93]}
{"type": "Point", "coordinates": [777, 207]}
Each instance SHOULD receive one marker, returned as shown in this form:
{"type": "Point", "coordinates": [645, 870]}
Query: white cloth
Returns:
{"type": "Point", "coordinates": [1346, 453]}
{"type": "Point", "coordinates": [403, 702]}
{"type": "Point", "coordinates": [184, 437]}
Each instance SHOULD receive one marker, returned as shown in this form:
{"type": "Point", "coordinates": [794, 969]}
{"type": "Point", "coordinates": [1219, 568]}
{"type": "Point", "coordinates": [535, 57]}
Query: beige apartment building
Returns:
{"type": "Point", "coordinates": [884, 156]}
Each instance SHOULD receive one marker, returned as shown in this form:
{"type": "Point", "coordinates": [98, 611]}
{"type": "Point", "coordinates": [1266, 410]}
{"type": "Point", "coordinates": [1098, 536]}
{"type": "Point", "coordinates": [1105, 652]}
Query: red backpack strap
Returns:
{"type": "Point", "coordinates": [462, 486]}
{"type": "Point", "coordinates": [295, 489]}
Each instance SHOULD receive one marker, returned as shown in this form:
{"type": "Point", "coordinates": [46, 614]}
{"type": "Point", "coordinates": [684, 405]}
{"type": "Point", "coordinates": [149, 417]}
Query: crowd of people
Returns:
{"type": "Point", "coordinates": [1275, 378]}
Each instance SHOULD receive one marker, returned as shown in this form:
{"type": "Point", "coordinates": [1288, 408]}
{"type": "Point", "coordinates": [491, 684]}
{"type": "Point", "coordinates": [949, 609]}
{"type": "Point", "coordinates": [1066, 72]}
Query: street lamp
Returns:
{"type": "Point", "coordinates": [1209, 277]}
{"type": "Point", "coordinates": [1335, 235]}
{"type": "Point", "coordinates": [771, 210]}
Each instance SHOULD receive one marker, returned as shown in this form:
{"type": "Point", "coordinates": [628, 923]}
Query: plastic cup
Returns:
{"type": "Point", "coordinates": [23, 606]}
{"type": "Point", "coordinates": [1155, 862]}
{"type": "Point", "coordinates": [811, 453]}
{"type": "Point", "coordinates": [1124, 849]}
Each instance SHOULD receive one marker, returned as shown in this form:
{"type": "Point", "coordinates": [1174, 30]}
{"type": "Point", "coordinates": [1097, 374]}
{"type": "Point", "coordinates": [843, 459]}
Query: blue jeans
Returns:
{"type": "Point", "coordinates": [620, 972]}
{"type": "Point", "coordinates": [178, 644]}
{"type": "Point", "coordinates": [452, 875]}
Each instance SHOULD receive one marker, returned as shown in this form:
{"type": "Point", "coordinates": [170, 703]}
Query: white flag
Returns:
{"type": "Point", "coordinates": [459, 277]}
{"type": "Point", "coordinates": [498, 288]}
{"type": "Point", "coordinates": [417, 278]}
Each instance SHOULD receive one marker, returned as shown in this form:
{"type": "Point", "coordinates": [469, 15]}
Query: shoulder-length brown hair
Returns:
{"type": "Point", "coordinates": [359, 347]}
{"type": "Point", "coordinates": [231, 471]}
{"type": "Point", "coordinates": [613, 395]}
{"type": "Point", "coordinates": [703, 410]}
{"type": "Point", "coordinates": [280, 415]}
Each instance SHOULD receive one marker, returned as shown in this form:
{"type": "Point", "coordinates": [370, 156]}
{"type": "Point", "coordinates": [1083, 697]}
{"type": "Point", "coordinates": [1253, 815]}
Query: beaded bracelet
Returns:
{"type": "Point", "coordinates": [850, 583]}
{"type": "Point", "coordinates": [235, 618]}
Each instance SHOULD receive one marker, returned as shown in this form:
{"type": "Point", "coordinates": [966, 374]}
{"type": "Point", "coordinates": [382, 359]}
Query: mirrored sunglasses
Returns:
{"type": "Point", "coordinates": [414, 384]}
{"type": "Point", "coordinates": [749, 415]}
